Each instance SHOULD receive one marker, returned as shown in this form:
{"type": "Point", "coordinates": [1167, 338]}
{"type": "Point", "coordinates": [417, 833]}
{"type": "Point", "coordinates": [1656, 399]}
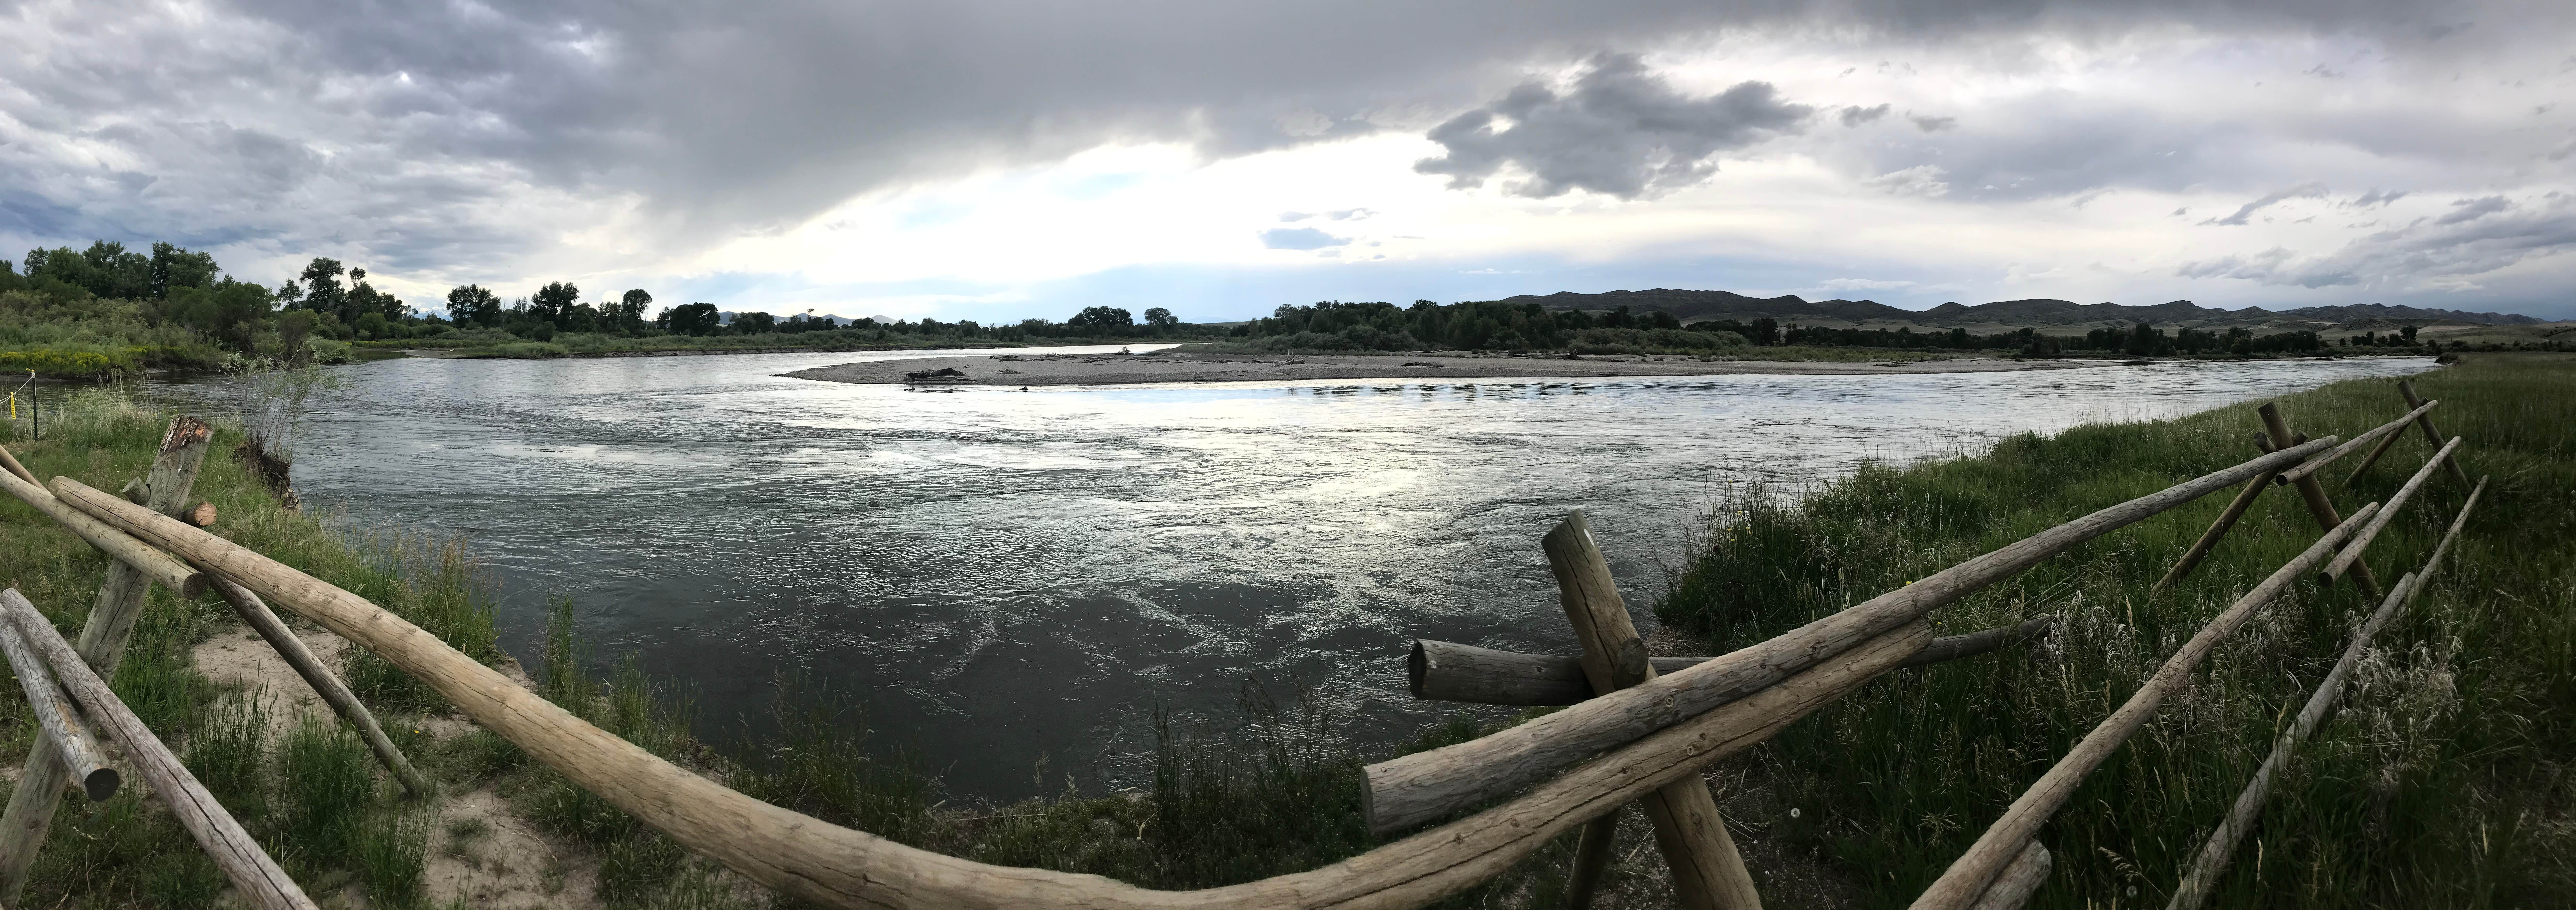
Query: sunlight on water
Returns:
{"type": "Point", "coordinates": [1006, 574]}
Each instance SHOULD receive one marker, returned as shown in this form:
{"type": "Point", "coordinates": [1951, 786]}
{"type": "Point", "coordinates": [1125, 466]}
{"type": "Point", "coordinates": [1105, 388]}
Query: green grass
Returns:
{"type": "Point", "coordinates": [2442, 784]}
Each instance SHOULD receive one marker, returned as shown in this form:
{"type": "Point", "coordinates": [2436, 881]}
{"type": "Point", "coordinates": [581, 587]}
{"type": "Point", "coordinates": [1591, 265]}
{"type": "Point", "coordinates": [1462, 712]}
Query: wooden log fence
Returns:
{"type": "Point", "coordinates": [1438, 783]}
{"type": "Point", "coordinates": [1973, 872]}
{"type": "Point", "coordinates": [2300, 472]}
{"type": "Point", "coordinates": [1658, 723]}
{"type": "Point", "coordinates": [29, 817]}
{"type": "Point", "coordinates": [2227, 517]}
{"type": "Point", "coordinates": [256, 878]}
{"type": "Point", "coordinates": [2360, 541]}
{"type": "Point", "coordinates": [291, 648]}
{"type": "Point", "coordinates": [2424, 422]}
{"type": "Point", "coordinates": [2313, 494]}
{"type": "Point", "coordinates": [1448, 671]}
{"type": "Point", "coordinates": [1707, 872]}
{"type": "Point", "coordinates": [2202, 876]}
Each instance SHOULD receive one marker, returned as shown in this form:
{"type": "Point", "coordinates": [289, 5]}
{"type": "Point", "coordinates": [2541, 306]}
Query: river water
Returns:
{"type": "Point", "coordinates": [1002, 575]}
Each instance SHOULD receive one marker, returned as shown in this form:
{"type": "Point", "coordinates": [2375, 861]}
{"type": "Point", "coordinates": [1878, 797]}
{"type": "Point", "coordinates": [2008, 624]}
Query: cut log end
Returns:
{"type": "Point", "coordinates": [203, 515]}
{"type": "Point", "coordinates": [101, 784]}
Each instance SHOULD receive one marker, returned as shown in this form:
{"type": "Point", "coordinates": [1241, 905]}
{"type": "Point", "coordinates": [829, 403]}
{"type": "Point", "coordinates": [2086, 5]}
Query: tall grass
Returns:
{"type": "Point", "coordinates": [2442, 784]}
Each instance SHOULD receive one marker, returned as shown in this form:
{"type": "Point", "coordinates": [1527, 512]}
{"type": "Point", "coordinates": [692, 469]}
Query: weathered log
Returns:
{"type": "Point", "coordinates": [60, 720]}
{"type": "Point", "coordinates": [840, 867]}
{"type": "Point", "coordinates": [203, 515]}
{"type": "Point", "coordinates": [255, 877]}
{"type": "Point", "coordinates": [2361, 540]}
{"type": "Point", "coordinates": [1447, 671]}
{"type": "Point", "coordinates": [1708, 874]}
{"type": "Point", "coordinates": [1591, 859]}
{"type": "Point", "coordinates": [2406, 388]}
{"type": "Point", "coordinates": [1417, 788]}
{"type": "Point", "coordinates": [118, 545]}
{"type": "Point", "coordinates": [30, 815]}
{"type": "Point", "coordinates": [2226, 519]}
{"type": "Point", "coordinates": [2300, 472]}
{"type": "Point", "coordinates": [334, 692]}
{"type": "Point", "coordinates": [2433, 566]}
{"type": "Point", "coordinates": [2014, 886]}
{"type": "Point", "coordinates": [1974, 871]}
{"type": "Point", "coordinates": [2314, 495]}
{"type": "Point", "coordinates": [2385, 443]}
{"type": "Point", "coordinates": [10, 462]}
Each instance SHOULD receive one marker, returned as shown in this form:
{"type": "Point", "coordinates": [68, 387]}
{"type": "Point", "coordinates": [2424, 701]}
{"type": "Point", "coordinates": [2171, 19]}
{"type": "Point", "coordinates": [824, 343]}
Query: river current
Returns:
{"type": "Point", "coordinates": [1003, 575]}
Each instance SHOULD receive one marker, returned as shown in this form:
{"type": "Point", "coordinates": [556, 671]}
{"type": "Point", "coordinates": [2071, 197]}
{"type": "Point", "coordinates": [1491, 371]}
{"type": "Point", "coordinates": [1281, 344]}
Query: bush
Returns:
{"type": "Point", "coordinates": [1652, 341]}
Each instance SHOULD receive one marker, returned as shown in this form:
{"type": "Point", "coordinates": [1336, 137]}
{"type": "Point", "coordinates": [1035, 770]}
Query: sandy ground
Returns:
{"type": "Point", "coordinates": [479, 851]}
{"type": "Point", "coordinates": [1128, 369]}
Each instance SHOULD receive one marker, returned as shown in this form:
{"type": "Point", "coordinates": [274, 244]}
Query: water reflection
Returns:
{"type": "Point", "coordinates": [1007, 574]}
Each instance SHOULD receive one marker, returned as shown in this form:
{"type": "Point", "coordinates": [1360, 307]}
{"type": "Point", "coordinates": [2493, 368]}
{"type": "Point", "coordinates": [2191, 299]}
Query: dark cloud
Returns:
{"type": "Point", "coordinates": [459, 136]}
{"type": "Point", "coordinates": [2473, 209]}
{"type": "Point", "coordinates": [2302, 191]}
{"type": "Point", "coordinates": [1856, 115]}
{"type": "Point", "coordinates": [1300, 239]}
{"type": "Point", "coordinates": [2444, 252]}
{"type": "Point", "coordinates": [1619, 129]}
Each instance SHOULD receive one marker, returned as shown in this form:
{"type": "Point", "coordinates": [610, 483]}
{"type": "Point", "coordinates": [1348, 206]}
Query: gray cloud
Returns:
{"type": "Point", "coordinates": [2443, 253]}
{"type": "Point", "coordinates": [1933, 124]}
{"type": "Point", "coordinates": [1620, 130]}
{"type": "Point", "coordinates": [2302, 191]}
{"type": "Point", "coordinates": [1856, 115]}
{"type": "Point", "coordinates": [455, 139]}
{"type": "Point", "coordinates": [2473, 209]}
{"type": "Point", "coordinates": [1300, 239]}
{"type": "Point", "coordinates": [2375, 197]}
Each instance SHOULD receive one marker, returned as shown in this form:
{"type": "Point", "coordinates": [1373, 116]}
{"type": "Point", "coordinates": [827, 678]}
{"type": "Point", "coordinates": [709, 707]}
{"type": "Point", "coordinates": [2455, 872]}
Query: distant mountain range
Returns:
{"type": "Point", "coordinates": [1697, 305]}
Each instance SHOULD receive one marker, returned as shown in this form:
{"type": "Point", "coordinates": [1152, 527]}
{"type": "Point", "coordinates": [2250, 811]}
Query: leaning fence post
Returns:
{"type": "Point", "coordinates": [2226, 519]}
{"type": "Point", "coordinates": [30, 816]}
{"type": "Point", "coordinates": [1707, 872]}
{"type": "Point", "coordinates": [333, 691]}
{"type": "Point", "coordinates": [2318, 505]}
{"type": "Point", "coordinates": [2424, 422]}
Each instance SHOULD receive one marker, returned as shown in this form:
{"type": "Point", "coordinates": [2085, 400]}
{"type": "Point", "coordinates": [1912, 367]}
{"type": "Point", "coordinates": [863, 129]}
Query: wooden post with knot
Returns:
{"type": "Point", "coordinates": [1707, 872]}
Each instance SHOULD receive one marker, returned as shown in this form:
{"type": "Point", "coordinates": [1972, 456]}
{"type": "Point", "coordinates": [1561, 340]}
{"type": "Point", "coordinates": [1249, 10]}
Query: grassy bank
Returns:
{"type": "Point", "coordinates": [490, 344]}
{"type": "Point", "coordinates": [2444, 783]}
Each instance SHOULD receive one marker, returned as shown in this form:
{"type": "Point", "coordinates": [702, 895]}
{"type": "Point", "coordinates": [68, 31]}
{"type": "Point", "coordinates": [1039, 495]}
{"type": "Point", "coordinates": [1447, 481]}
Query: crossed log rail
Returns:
{"type": "Point", "coordinates": [1538, 780]}
{"type": "Point", "coordinates": [1971, 878]}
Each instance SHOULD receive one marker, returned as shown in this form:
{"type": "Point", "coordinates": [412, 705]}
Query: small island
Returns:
{"type": "Point", "coordinates": [1183, 366]}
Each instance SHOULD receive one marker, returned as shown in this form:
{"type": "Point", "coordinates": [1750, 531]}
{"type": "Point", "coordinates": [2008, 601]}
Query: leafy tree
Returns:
{"type": "Point", "coordinates": [1101, 320]}
{"type": "Point", "coordinates": [754, 323]}
{"type": "Point", "coordinates": [1766, 331]}
{"type": "Point", "coordinates": [322, 290]}
{"type": "Point", "coordinates": [630, 308]}
{"type": "Point", "coordinates": [688, 319]}
{"type": "Point", "coordinates": [473, 305]}
{"type": "Point", "coordinates": [172, 268]}
{"type": "Point", "coordinates": [230, 311]}
{"type": "Point", "coordinates": [1160, 318]}
{"type": "Point", "coordinates": [554, 303]}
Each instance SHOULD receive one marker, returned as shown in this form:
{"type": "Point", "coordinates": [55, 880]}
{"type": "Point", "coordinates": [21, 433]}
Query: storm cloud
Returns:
{"type": "Point", "coordinates": [1619, 129]}
{"type": "Point", "coordinates": [455, 141]}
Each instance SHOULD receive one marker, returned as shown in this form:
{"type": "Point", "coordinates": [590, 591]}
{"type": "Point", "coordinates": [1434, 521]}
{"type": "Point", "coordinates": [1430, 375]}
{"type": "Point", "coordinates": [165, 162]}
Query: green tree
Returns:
{"type": "Point", "coordinates": [754, 323]}
{"type": "Point", "coordinates": [172, 268]}
{"type": "Point", "coordinates": [554, 303]}
{"type": "Point", "coordinates": [323, 292]}
{"type": "Point", "coordinates": [1101, 320]}
{"type": "Point", "coordinates": [473, 305]}
{"type": "Point", "coordinates": [1160, 318]}
{"type": "Point", "coordinates": [688, 319]}
{"type": "Point", "coordinates": [630, 309]}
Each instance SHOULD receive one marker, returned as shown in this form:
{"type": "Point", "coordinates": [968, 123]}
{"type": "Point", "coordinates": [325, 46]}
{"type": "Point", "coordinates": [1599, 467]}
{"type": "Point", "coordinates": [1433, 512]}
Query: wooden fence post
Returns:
{"type": "Point", "coordinates": [30, 816]}
{"type": "Point", "coordinates": [2226, 519]}
{"type": "Point", "coordinates": [2314, 494]}
{"type": "Point", "coordinates": [333, 691]}
{"type": "Point", "coordinates": [1707, 872]}
{"type": "Point", "coordinates": [2425, 422]}
{"type": "Point", "coordinates": [257, 880]}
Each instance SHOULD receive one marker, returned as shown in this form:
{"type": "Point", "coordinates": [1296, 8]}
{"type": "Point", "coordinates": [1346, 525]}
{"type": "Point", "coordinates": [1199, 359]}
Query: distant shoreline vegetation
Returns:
{"type": "Point", "coordinates": [1528, 327]}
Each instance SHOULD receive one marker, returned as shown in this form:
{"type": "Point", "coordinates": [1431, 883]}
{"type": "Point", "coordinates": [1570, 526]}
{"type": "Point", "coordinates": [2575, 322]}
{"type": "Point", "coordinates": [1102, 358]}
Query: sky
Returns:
{"type": "Point", "coordinates": [1003, 159]}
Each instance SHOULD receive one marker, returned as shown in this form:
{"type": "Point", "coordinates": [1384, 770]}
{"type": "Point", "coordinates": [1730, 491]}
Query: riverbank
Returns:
{"type": "Point", "coordinates": [2443, 781]}
{"type": "Point", "coordinates": [1182, 367]}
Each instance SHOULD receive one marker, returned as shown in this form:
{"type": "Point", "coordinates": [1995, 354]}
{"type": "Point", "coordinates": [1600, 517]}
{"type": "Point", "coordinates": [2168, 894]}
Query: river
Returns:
{"type": "Point", "coordinates": [1003, 575]}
